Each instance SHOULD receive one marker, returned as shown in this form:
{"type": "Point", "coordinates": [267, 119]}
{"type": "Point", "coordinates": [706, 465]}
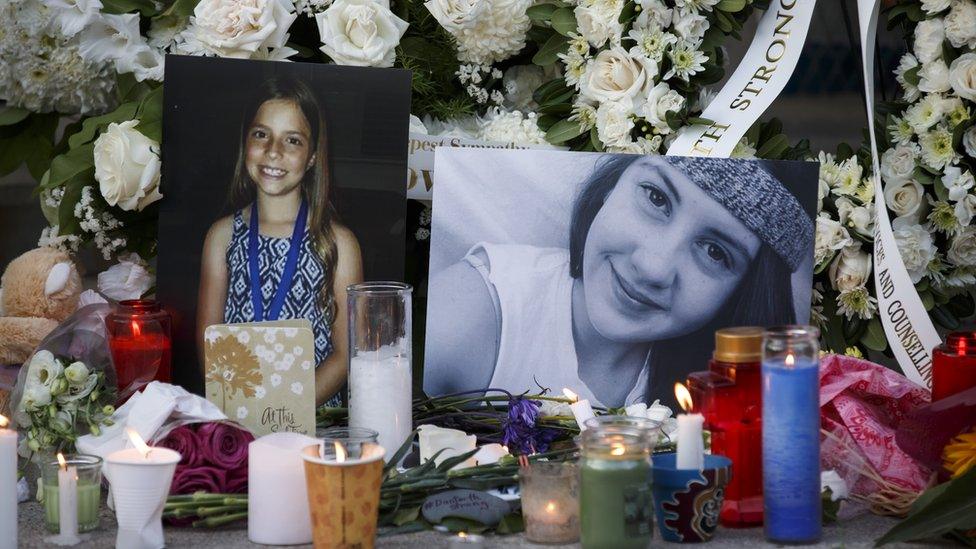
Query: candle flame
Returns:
{"type": "Point", "coordinates": [790, 360]}
{"type": "Point", "coordinates": [462, 535]}
{"type": "Point", "coordinates": [136, 330]}
{"type": "Point", "coordinates": [138, 442]}
{"type": "Point", "coordinates": [3, 421]}
{"type": "Point", "coordinates": [61, 462]}
{"type": "Point", "coordinates": [570, 395]}
{"type": "Point", "coordinates": [340, 451]}
{"type": "Point", "coordinates": [617, 449]}
{"type": "Point", "coordinates": [551, 507]}
{"type": "Point", "coordinates": [683, 396]}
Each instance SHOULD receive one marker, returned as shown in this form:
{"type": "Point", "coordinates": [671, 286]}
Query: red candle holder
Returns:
{"type": "Point", "coordinates": [139, 336]}
{"type": "Point", "coordinates": [954, 365]}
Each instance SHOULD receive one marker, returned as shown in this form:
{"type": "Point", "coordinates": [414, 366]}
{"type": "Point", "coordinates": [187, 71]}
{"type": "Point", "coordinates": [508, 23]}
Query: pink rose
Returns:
{"type": "Point", "coordinates": [185, 441]}
{"type": "Point", "coordinates": [224, 445]}
{"type": "Point", "coordinates": [237, 480]}
{"type": "Point", "coordinates": [188, 480]}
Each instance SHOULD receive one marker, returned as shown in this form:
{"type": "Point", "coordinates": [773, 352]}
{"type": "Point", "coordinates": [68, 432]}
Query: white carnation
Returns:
{"type": "Point", "coordinates": [965, 210]}
{"type": "Point", "coordinates": [934, 77]}
{"type": "Point", "coordinates": [654, 14]}
{"type": "Point", "coordinates": [599, 21]}
{"type": "Point", "coordinates": [962, 251]}
{"type": "Point", "coordinates": [690, 27]}
{"type": "Point", "coordinates": [511, 127]}
{"type": "Point", "coordinates": [614, 123]}
{"type": "Point", "coordinates": [520, 82]}
{"type": "Point", "coordinates": [929, 35]}
{"type": "Point", "coordinates": [496, 34]}
{"type": "Point", "coordinates": [916, 246]}
{"type": "Point", "coordinates": [960, 24]}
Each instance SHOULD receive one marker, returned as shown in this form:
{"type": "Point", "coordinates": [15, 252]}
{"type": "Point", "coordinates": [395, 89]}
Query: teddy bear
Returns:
{"type": "Point", "coordinates": [38, 291]}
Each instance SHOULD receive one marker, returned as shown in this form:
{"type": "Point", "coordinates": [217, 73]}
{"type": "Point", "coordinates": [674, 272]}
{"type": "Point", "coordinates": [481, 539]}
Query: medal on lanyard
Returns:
{"type": "Point", "coordinates": [291, 265]}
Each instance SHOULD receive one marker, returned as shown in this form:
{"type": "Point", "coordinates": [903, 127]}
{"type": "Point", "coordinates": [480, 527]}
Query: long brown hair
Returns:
{"type": "Point", "coordinates": [316, 184]}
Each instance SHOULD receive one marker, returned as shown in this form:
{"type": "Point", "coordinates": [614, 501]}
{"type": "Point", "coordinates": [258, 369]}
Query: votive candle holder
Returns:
{"type": "Point", "coordinates": [550, 502]}
{"type": "Point", "coordinates": [89, 490]}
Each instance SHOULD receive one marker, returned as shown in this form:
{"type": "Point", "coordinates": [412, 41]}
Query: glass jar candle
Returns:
{"type": "Point", "coordinates": [791, 434]}
{"type": "Point", "coordinates": [954, 365]}
{"type": "Point", "coordinates": [88, 488]}
{"type": "Point", "coordinates": [550, 502]}
{"type": "Point", "coordinates": [139, 333]}
{"type": "Point", "coordinates": [380, 376]}
{"type": "Point", "coordinates": [616, 503]}
{"type": "Point", "coordinates": [354, 439]}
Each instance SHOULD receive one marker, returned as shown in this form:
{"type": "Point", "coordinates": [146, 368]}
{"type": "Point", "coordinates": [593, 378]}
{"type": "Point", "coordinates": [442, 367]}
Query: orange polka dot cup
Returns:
{"type": "Point", "coordinates": [343, 495]}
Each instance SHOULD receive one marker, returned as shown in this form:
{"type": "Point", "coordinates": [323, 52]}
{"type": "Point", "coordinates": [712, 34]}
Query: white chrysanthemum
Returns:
{"type": "Point", "coordinates": [651, 42]}
{"type": "Point", "coordinates": [42, 70]}
{"type": "Point", "coordinates": [907, 63]}
{"type": "Point", "coordinates": [496, 35]}
{"type": "Point", "coordinates": [901, 131]}
{"type": "Point", "coordinates": [937, 151]}
{"type": "Point", "coordinates": [694, 6]}
{"type": "Point", "coordinates": [585, 114]}
{"type": "Point", "coordinates": [686, 61]}
{"type": "Point", "coordinates": [848, 178]}
{"type": "Point", "coordinates": [926, 113]}
{"type": "Point", "coordinates": [857, 302]}
{"type": "Point", "coordinates": [575, 63]}
{"type": "Point", "coordinates": [511, 127]}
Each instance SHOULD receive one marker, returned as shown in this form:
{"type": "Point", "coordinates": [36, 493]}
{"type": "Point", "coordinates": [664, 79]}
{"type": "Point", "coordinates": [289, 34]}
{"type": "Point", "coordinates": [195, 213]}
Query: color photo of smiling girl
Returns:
{"type": "Point", "coordinates": [661, 252]}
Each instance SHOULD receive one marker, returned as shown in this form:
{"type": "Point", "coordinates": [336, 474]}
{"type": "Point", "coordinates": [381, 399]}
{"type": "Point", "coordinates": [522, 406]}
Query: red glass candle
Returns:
{"type": "Point", "coordinates": [954, 365]}
{"type": "Point", "coordinates": [139, 336]}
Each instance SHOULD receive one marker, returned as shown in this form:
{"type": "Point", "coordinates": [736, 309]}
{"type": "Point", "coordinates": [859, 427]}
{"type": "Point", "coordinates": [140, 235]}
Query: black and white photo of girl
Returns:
{"type": "Point", "coordinates": [606, 273]}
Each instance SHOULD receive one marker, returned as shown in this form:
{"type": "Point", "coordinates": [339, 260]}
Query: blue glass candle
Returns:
{"type": "Point", "coordinates": [791, 434]}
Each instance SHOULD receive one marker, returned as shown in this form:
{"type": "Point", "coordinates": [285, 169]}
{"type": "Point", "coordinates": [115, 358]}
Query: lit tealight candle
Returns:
{"type": "Point", "coordinates": [581, 408]}
{"type": "Point", "coordinates": [691, 447]}
{"type": "Point", "coordinates": [465, 540]}
{"type": "Point", "coordinates": [8, 485]}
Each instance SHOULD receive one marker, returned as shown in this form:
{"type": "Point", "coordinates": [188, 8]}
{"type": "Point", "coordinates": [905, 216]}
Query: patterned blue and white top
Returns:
{"type": "Point", "coordinates": [302, 301]}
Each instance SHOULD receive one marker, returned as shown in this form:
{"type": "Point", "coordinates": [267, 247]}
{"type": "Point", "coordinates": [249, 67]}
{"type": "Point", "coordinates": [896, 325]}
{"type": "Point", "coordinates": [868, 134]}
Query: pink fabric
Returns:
{"type": "Point", "coordinates": [862, 404]}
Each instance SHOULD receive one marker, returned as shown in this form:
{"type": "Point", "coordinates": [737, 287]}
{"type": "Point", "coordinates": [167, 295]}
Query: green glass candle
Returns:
{"type": "Point", "coordinates": [616, 503]}
{"type": "Point", "coordinates": [89, 492]}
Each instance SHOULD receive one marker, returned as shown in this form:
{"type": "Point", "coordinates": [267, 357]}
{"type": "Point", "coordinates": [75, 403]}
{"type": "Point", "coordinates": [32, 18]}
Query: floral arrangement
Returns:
{"type": "Point", "coordinates": [61, 399]}
{"type": "Point", "coordinates": [928, 139]}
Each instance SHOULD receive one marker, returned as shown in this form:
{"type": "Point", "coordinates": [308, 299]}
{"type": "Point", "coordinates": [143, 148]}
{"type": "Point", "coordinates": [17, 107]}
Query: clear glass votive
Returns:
{"type": "Point", "coordinates": [89, 471]}
{"type": "Point", "coordinates": [550, 502]}
{"type": "Point", "coordinates": [352, 439]}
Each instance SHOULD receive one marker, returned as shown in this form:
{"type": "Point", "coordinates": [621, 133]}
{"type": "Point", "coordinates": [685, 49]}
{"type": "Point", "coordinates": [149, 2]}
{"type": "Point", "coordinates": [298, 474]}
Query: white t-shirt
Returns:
{"type": "Point", "coordinates": [532, 290]}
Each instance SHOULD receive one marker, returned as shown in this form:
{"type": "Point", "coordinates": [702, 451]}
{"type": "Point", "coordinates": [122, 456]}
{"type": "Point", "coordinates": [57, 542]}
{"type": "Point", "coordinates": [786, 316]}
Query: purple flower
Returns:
{"type": "Point", "coordinates": [519, 431]}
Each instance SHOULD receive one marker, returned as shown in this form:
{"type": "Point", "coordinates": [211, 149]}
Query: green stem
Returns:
{"type": "Point", "coordinates": [212, 511]}
{"type": "Point", "coordinates": [214, 522]}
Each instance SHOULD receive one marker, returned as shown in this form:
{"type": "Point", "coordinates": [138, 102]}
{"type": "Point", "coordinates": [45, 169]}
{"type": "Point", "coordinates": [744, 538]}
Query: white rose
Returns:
{"type": "Point", "coordinates": [934, 77]}
{"type": "Point", "coordinates": [361, 33]}
{"type": "Point", "coordinates": [962, 76]}
{"type": "Point", "coordinates": [904, 197]}
{"type": "Point", "coordinates": [838, 487]}
{"type": "Point", "coordinates": [240, 28]}
{"type": "Point", "coordinates": [691, 27]}
{"type": "Point", "coordinates": [77, 373]}
{"type": "Point", "coordinates": [929, 35]}
{"type": "Point", "coordinates": [600, 22]}
{"type": "Point", "coordinates": [960, 24]}
{"type": "Point", "coordinates": [898, 164]}
{"type": "Point", "coordinates": [830, 237]}
{"type": "Point", "coordinates": [957, 182]}
{"type": "Point", "coordinates": [613, 123]}
{"type": "Point", "coordinates": [127, 166]}
{"type": "Point", "coordinates": [455, 15]}
{"type": "Point", "coordinates": [127, 279]}
{"type": "Point", "coordinates": [850, 269]}
{"type": "Point", "coordinates": [614, 76]}
{"type": "Point", "coordinates": [962, 251]}
{"type": "Point", "coordinates": [915, 245]}
{"type": "Point", "coordinates": [969, 141]}
{"type": "Point", "coordinates": [661, 99]}
{"type": "Point", "coordinates": [654, 14]}
{"type": "Point", "coordinates": [861, 219]}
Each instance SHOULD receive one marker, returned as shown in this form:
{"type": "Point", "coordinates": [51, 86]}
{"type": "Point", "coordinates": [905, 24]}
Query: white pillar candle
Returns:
{"type": "Point", "coordinates": [277, 497]}
{"type": "Point", "coordinates": [438, 443]}
{"type": "Point", "coordinates": [8, 486]}
{"type": "Point", "coordinates": [581, 408]}
{"type": "Point", "coordinates": [490, 453]}
{"type": "Point", "coordinates": [381, 395]}
{"type": "Point", "coordinates": [67, 502]}
{"type": "Point", "coordinates": [691, 446]}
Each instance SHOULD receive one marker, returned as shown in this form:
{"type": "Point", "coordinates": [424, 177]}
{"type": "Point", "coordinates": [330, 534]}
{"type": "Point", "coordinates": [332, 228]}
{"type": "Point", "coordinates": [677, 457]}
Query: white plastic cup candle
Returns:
{"type": "Point", "coordinates": [140, 479]}
{"type": "Point", "coordinates": [691, 446]}
{"type": "Point", "coordinates": [8, 485]}
{"type": "Point", "coordinates": [581, 408]}
{"type": "Point", "coordinates": [67, 503]}
{"type": "Point", "coordinates": [276, 495]}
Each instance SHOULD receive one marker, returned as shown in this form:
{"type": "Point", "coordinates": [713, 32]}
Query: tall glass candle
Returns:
{"type": "Point", "coordinates": [616, 503]}
{"type": "Point", "coordinates": [8, 485]}
{"type": "Point", "coordinates": [140, 338]}
{"type": "Point", "coordinates": [791, 434]}
{"type": "Point", "coordinates": [380, 377]}
{"type": "Point", "coordinates": [88, 490]}
{"type": "Point", "coordinates": [954, 365]}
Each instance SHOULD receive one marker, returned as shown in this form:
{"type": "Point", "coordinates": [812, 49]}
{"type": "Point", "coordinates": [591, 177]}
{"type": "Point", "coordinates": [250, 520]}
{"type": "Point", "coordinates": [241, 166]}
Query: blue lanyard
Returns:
{"type": "Point", "coordinates": [291, 264]}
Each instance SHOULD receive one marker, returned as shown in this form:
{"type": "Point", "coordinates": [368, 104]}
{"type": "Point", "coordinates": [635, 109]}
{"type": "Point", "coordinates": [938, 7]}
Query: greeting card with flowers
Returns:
{"type": "Point", "coordinates": [262, 374]}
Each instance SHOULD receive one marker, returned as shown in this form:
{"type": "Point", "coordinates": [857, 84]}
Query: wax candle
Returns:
{"type": "Point", "coordinates": [581, 408]}
{"type": "Point", "coordinates": [67, 502]}
{"type": "Point", "coordinates": [550, 502]}
{"type": "Point", "coordinates": [791, 435]}
{"type": "Point", "coordinates": [616, 503]}
{"type": "Point", "coordinates": [8, 485]}
{"type": "Point", "coordinates": [954, 365]}
{"type": "Point", "coordinates": [140, 479]}
{"type": "Point", "coordinates": [276, 493]}
{"type": "Point", "coordinates": [140, 340]}
{"type": "Point", "coordinates": [691, 445]}
{"type": "Point", "coordinates": [464, 540]}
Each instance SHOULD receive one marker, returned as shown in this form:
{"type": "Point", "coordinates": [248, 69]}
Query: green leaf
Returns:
{"type": "Point", "coordinates": [544, 93]}
{"type": "Point", "coordinates": [67, 222]}
{"type": "Point", "coordinates": [911, 75]}
{"type": "Point", "coordinates": [874, 337]}
{"type": "Point", "coordinates": [452, 461]}
{"type": "Point", "coordinates": [595, 140]}
{"type": "Point", "coordinates": [70, 164]}
{"type": "Point", "coordinates": [628, 13]}
{"type": "Point", "coordinates": [96, 124]}
{"type": "Point", "coordinates": [541, 12]}
{"type": "Point", "coordinates": [564, 21]}
{"type": "Point", "coordinates": [402, 451]}
{"type": "Point", "coordinates": [563, 131]}
{"type": "Point", "coordinates": [39, 159]}
{"type": "Point", "coordinates": [731, 6]}
{"type": "Point", "coordinates": [953, 507]}
{"type": "Point", "coordinates": [774, 147]}
{"type": "Point", "coordinates": [927, 300]}
{"type": "Point", "coordinates": [13, 152]}
{"type": "Point", "coordinates": [511, 523]}
{"type": "Point", "coordinates": [408, 514]}
{"type": "Point", "coordinates": [12, 115]}
{"type": "Point", "coordinates": [699, 121]}
{"type": "Point", "coordinates": [549, 52]}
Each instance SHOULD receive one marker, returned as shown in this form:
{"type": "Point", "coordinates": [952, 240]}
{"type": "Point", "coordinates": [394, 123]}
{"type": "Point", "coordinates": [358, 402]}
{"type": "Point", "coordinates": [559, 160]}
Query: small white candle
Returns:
{"type": "Point", "coordinates": [67, 501]}
{"type": "Point", "coordinates": [277, 495]}
{"type": "Point", "coordinates": [381, 395]}
{"type": "Point", "coordinates": [8, 485]}
{"type": "Point", "coordinates": [691, 447]}
{"type": "Point", "coordinates": [581, 408]}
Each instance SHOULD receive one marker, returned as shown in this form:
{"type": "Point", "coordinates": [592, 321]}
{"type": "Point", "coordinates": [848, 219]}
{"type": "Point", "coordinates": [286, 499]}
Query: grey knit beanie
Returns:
{"type": "Point", "coordinates": [756, 198]}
